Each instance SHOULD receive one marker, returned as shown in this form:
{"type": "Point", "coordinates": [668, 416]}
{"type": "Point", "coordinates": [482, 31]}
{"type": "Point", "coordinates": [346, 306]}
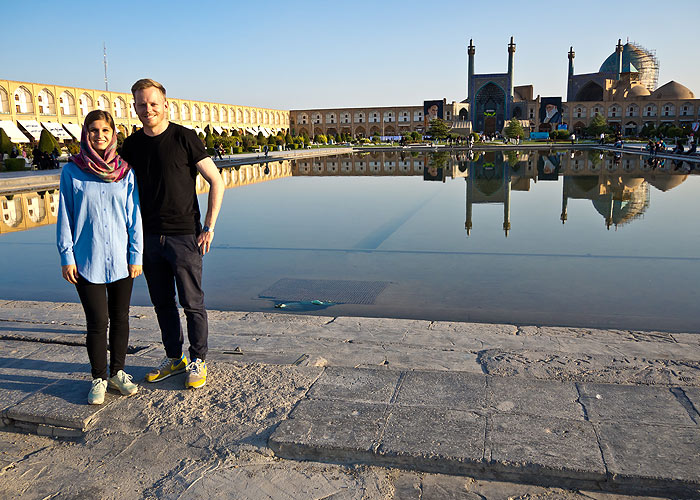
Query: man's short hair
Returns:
{"type": "Point", "coordinates": [145, 83]}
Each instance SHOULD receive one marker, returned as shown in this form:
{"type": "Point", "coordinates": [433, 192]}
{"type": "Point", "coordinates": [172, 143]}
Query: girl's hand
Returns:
{"type": "Point", "coordinates": [135, 270]}
{"type": "Point", "coordinates": [70, 273]}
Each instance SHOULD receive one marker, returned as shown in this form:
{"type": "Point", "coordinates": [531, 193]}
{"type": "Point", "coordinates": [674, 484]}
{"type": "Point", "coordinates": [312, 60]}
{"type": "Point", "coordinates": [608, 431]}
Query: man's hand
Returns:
{"type": "Point", "coordinates": [135, 270]}
{"type": "Point", "coordinates": [204, 241]}
{"type": "Point", "coordinates": [70, 273]}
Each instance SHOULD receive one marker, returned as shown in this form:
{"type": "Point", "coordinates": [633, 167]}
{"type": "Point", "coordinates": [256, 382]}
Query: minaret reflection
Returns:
{"type": "Point", "coordinates": [490, 180]}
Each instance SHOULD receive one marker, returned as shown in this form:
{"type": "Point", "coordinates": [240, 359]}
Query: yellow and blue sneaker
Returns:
{"type": "Point", "coordinates": [167, 367]}
{"type": "Point", "coordinates": [196, 374]}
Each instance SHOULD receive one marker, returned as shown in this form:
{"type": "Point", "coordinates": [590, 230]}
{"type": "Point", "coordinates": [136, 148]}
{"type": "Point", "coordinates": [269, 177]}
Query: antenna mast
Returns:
{"type": "Point", "coordinates": [104, 52]}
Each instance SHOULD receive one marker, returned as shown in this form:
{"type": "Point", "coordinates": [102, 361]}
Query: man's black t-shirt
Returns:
{"type": "Point", "coordinates": [166, 172]}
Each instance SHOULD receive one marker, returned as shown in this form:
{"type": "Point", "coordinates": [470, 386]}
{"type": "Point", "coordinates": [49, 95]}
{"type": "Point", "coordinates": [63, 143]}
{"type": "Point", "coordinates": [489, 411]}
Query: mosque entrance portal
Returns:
{"type": "Point", "coordinates": [490, 123]}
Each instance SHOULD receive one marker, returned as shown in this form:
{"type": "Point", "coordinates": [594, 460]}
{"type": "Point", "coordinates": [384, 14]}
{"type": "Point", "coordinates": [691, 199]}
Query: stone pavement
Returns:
{"type": "Point", "coordinates": [580, 409]}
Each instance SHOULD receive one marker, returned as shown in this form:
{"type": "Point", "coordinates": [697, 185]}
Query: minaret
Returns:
{"type": "Point", "coordinates": [470, 51]}
{"type": "Point", "coordinates": [511, 51]}
{"type": "Point", "coordinates": [572, 54]}
{"type": "Point", "coordinates": [618, 58]}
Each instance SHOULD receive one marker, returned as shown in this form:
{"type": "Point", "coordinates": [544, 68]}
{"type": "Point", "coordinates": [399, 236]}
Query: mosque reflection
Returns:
{"type": "Point", "coordinates": [617, 185]}
{"type": "Point", "coordinates": [25, 210]}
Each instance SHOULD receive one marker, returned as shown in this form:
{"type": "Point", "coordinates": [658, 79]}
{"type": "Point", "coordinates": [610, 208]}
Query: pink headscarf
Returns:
{"type": "Point", "coordinates": [111, 168]}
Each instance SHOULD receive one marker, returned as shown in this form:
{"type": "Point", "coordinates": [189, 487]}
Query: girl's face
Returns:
{"type": "Point", "coordinates": [100, 135]}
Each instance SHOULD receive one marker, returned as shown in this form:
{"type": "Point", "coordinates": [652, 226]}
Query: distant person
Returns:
{"type": "Point", "coordinates": [36, 157]}
{"type": "Point", "coordinates": [602, 138]}
{"type": "Point", "coordinates": [220, 151]}
{"type": "Point", "coordinates": [573, 139]}
{"type": "Point", "coordinates": [100, 241]}
{"type": "Point", "coordinates": [166, 158]}
{"type": "Point", "coordinates": [54, 157]}
{"type": "Point", "coordinates": [266, 150]}
{"type": "Point", "coordinates": [14, 153]}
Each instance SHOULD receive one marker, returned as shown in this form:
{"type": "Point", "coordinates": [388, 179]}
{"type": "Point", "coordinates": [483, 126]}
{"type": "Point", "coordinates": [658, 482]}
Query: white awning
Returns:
{"type": "Point", "coordinates": [250, 131]}
{"type": "Point", "coordinates": [31, 126]}
{"type": "Point", "coordinates": [199, 131]}
{"type": "Point", "coordinates": [56, 130]}
{"type": "Point", "coordinates": [265, 131]}
{"type": "Point", "coordinates": [74, 130]}
{"type": "Point", "coordinates": [13, 132]}
{"type": "Point", "coordinates": [218, 129]}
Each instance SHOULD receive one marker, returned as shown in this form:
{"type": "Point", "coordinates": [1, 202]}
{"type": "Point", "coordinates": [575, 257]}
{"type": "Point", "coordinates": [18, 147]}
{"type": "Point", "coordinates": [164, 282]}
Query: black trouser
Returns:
{"type": "Point", "coordinates": [171, 262]}
{"type": "Point", "coordinates": [103, 302]}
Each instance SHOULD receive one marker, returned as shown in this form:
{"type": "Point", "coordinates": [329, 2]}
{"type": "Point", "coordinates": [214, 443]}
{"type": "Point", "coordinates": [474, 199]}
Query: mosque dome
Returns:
{"type": "Point", "coordinates": [637, 91]}
{"type": "Point", "coordinates": [625, 209]}
{"type": "Point", "coordinates": [673, 90]}
{"type": "Point", "coordinates": [665, 182]}
{"type": "Point", "coordinates": [635, 59]}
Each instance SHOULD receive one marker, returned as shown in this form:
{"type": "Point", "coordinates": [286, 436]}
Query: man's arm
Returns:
{"type": "Point", "coordinates": [211, 174]}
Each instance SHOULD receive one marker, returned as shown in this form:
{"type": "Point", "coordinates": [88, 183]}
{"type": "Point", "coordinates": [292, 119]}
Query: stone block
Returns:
{"type": "Point", "coordinates": [454, 390]}
{"type": "Point", "coordinates": [420, 435]}
{"type": "Point", "coordinates": [62, 404]}
{"type": "Point", "coordinates": [539, 449]}
{"type": "Point", "coordinates": [633, 403]}
{"type": "Point", "coordinates": [656, 456]}
{"type": "Point", "coordinates": [355, 384]}
{"type": "Point", "coordinates": [329, 430]}
{"type": "Point", "coordinates": [520, 395]}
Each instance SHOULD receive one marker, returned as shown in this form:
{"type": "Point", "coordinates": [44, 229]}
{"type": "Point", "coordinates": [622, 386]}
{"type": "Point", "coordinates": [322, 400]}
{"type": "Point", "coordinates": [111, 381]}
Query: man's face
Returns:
{"type": "Point", "coordinates": [151, 107]}
{"type": "Point", "coordinates": [550, 108]}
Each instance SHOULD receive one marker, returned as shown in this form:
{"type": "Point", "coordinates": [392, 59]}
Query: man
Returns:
{"type": "Point", "coordinates": [166, 158]}
{"type": "Point", "coordinates": [551, 114]}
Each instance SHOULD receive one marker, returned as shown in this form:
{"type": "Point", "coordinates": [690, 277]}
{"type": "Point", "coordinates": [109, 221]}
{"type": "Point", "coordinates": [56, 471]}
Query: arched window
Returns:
{"type": "Point", "coordinates": [132, 108]}
{"type": "Point", "coordinates": [23, 100]}
{"type": "Point", "coordinates": [103, 103]}
{"type": "Point", "coordinates": [4, 101]}
{"type": "Point", "coordinates": [86, 104]}
{"type": "Point", "coordinates": [247, 116]}
{"type": "Point", "coordinates": [205, 113]}
{"type": "Point", "coordinates": [66, 102]}
{"type": "Point", "coordinates": [196, 115]}
{"type": "Point", "coordinates": [46, 102]}
{"type": "Point", "coordinates": [172, 111]}
{"type": "Point", "coordinates": [185, 111]}
{"type": "Point", "coordinates": [119, 108]}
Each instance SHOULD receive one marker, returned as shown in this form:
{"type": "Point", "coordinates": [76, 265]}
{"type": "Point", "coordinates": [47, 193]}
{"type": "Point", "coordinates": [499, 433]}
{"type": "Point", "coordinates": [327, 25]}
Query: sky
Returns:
{"type": "Point", "coordinates": [313, 54]}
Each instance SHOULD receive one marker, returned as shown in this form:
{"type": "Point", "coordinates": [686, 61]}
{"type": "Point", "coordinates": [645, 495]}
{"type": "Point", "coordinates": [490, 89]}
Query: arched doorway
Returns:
{"type": "Point", "coordinates": [490, 105]}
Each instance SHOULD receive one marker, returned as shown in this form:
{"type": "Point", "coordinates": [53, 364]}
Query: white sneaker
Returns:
{"type": "Point", "coordinates": [122, 382]}
{"type": "Point", "coordinates": [96, 396]}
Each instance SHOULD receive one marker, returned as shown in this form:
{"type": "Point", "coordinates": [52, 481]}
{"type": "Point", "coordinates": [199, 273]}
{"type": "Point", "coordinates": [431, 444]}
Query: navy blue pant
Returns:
{"type": "Point", "coordinates": [102, 302]}
{"type": "Point", "coordinates": [170, 263]}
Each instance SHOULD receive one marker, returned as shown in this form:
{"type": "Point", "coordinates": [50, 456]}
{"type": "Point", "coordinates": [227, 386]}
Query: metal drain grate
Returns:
{"type": "Point", "coordinates": [338, 291]}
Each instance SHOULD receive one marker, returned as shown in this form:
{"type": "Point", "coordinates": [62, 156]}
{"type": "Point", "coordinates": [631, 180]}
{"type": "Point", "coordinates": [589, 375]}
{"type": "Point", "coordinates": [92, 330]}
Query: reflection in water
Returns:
{"type": "Point", "coordinates": [616, 184]}
{"type": "Point", "coordinates": [29, 209]}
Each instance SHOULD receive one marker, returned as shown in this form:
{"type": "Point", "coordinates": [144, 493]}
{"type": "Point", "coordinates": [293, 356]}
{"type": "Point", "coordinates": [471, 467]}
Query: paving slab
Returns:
{"type": "Point", "coordinates": [529, 446]}
{"type": "Point", "coordinates": [648, 404]}
{"type": "Point", "coordinates": [329, 430]}
{"type": "Point", "coordinates": [355, 385]}
{"type": "Point", "coordinates": [454, 390]}
{"type": "Point", "coordinates": [61, 404]}
{"type": "Point", "coordinates": [526, 396]}
{"type": "Point", "coordinates": [451, 441]}
{"type": "Point", "coordinates": [659, 457]}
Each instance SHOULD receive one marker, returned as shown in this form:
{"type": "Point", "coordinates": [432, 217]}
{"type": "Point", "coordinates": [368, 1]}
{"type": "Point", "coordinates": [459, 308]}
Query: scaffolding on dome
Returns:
{"type": "Point", "coordinates": [649, 67]}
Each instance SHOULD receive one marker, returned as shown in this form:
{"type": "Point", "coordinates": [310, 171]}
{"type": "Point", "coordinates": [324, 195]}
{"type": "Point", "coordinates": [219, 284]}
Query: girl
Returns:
{"type": "Point", "coordinates": [100, 240]}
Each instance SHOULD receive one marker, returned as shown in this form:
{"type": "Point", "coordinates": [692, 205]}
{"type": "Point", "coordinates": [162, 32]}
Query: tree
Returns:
{"type": "Point", "coordinates": [438, 129]}
{"type": "Point", "coordinates": [320, 139]}
{"type": "Point", "coordinates": [47, 142]}
{"type": "Point", "coordinates": [288, 138]}
{"type": "Point", "coordinates": [514, 129]}
{"type": "Point", "coordinates": [598, 125]}
{"type": "Point", "coordinates": [5, 143]}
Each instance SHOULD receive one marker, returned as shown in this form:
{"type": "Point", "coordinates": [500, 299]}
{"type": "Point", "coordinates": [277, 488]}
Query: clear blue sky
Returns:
{"type": "Point", "coordinates": [310, 54]}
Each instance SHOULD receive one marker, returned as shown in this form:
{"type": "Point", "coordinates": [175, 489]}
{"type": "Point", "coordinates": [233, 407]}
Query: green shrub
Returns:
{"type": "Point", "coordinates": [15, 164]}
{"type": "Point", "coordinates": [5, 143]}
{"type": "Point", "coordinates": [237, 149]}
{"type": "Point", "coordinates": [73, 148]}
{"type": "Point", "coordinates": [47, 142]}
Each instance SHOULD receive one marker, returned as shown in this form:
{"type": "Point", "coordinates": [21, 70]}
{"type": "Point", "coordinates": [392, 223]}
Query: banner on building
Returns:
{"type": "Point", "coordinates": [432, 110]}
{"type": "Point", "coordinates": [550, 113]}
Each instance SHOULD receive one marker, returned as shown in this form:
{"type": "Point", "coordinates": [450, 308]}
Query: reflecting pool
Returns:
{"type": "Point", "coordinates": [577, 238]}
